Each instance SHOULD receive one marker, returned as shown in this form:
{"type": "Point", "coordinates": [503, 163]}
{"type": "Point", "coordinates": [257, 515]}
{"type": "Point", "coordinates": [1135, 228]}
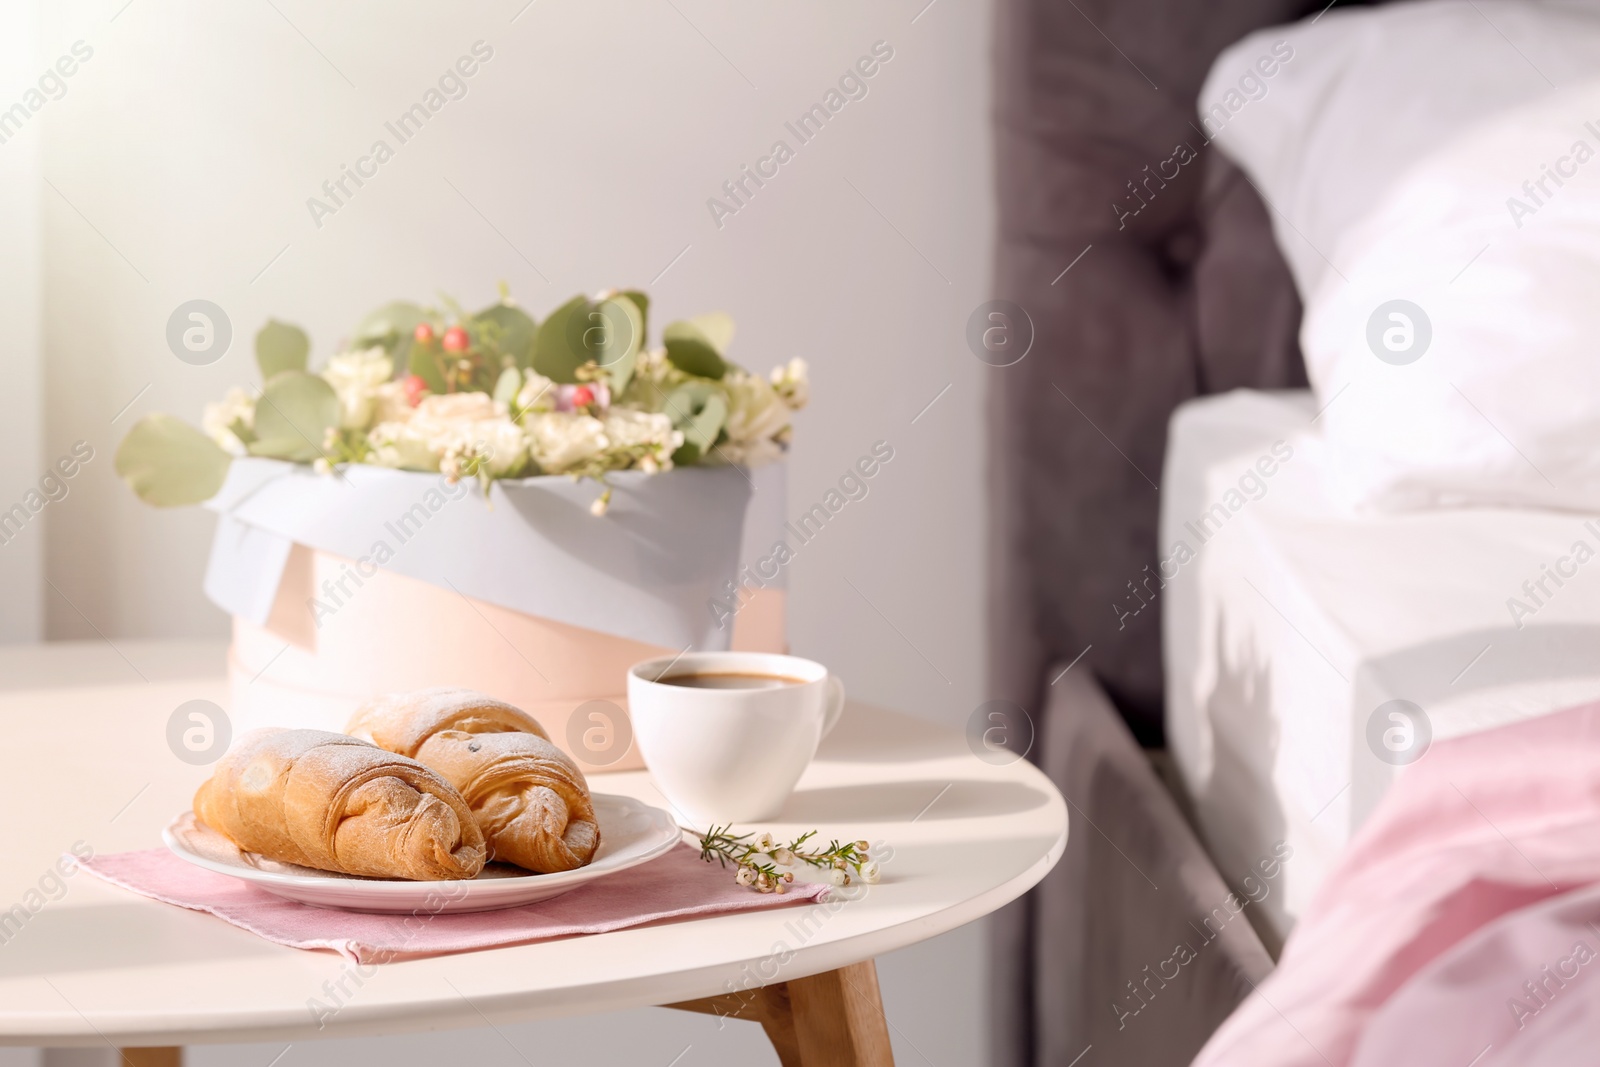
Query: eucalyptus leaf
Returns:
{"type": "Point", "coordinates": [280, 347]}
{"type": "Point", "coordinates": [642, 302]}
{"type": "Point", "coordinates": [718, 329]}
{"type": "Point", "coordinates": [623, 337]}
{"type": "Point", "coordinates": [400, 318]}
{"type": "Point", "coordinates": [293, 416]}
{"type": "Point", "coordinates": [169, 463]}
{"type": "Point", "coordinates": [553, 355]}
{"type": "Point", "coordinates": [607, 332]}
{"type": "Point", "coordinates": [393, 326]}
{"type": "Point", "coordinates": [517, 331]}
{"type": "Point", "coordinates": [691, 351]}
{"type": "Point", "coordinates": [700, 411]}
{"type": "Point", "coordinates": [507, 387]}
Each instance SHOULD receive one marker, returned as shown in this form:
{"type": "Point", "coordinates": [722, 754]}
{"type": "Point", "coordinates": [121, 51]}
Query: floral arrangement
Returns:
{"type": "Point", "coordinates": [487, 395]}
{"type": "Point", "coordinates": [757, 862]}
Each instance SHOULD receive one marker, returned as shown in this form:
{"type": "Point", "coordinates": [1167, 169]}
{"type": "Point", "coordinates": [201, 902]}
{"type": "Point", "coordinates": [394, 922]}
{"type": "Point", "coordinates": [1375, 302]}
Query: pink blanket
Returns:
{"type": "Point", "coordinates": [1462, 926]}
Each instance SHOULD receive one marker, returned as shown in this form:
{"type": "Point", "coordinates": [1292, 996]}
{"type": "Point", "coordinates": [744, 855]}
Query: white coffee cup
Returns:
{"type": "Point", "coordinates": [730, 754]}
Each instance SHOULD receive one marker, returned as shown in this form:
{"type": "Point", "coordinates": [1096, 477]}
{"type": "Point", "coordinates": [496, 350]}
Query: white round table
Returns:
{"type": "Point", "coordinates": [85, 761]}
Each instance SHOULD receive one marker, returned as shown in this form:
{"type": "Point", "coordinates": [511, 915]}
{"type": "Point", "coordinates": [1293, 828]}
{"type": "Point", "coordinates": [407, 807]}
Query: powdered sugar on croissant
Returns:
{"type": "Point", "coordinates": [332, 802]}
{"type": "Point", "coordinates": [528, 797]}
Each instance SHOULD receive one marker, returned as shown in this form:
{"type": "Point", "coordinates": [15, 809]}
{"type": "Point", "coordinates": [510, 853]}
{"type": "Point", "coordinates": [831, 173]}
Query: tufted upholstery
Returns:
{"type": "Point", "coordinates": [1184, 296]}
{"type": "Point", "coordinates": [1180, 293]}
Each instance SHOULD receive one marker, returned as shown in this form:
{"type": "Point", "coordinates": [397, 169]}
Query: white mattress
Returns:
{"type": "Point", "coordinates": [1296, 618]}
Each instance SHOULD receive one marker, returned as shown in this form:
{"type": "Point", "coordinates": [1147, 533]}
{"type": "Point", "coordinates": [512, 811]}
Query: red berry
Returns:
{"type": "Point", "coordinates": [455, 339]}
{"type": "Point", "coordinates": [415, 387]}
{"type": "Point", "coordinates": [423, 333]}
{"type": "Point", "coordinates": [582, 396]}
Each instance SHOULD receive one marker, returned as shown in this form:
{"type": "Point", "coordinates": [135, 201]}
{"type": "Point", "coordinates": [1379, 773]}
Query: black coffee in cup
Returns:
{"type": "Point", "coordinates": [730, 680]}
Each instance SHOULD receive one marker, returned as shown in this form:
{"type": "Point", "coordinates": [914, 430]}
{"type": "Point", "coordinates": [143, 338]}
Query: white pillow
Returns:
{"type": "Point", "coordinates": [1393, 147]}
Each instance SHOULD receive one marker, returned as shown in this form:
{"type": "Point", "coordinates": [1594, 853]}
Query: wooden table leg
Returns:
{"type": "Point", "coordinates": [767, 1005]}
{"type": "Point", "coordinates": [838, 1018]}
{"type": "Point", "coordinates": [834, 1019]}
{"type": "Point", "coordinates": [152, 1057]}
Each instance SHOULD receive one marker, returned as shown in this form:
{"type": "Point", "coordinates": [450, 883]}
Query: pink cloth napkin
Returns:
{"type": "Point", "coordinates": [1483, 829]}
{"type": "Point", "coordinates": [679, 885]}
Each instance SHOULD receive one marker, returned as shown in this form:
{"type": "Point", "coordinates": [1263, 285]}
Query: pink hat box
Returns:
{"type": "Point", "coordinates": [292, 672]}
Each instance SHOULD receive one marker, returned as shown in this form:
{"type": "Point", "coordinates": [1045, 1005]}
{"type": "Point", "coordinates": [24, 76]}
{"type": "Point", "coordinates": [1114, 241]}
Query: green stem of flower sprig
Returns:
{"type": "Point", "coordinates": [759, 861]}
{"type": "Point", "coordinates": [341, 447]}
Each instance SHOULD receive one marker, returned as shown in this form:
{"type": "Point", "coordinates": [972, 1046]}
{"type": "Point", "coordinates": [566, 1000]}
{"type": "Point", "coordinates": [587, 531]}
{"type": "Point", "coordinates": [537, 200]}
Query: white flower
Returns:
{"type": "Point", "coordinates": [653, 378]}
{"type": "Point", "coordinates": [756, 415]}
{"type": "Point", "coordinates": [746, 876]}
{"type": "Point", "coordinates": [396, 444]}
{"type": "Point", "coordinates": [562, 440]}
{"type": "Point", "coordinates": [792, 382]}
{"type": "Point", "coordinates": [765, 843]}
{"type": "Point", "coordinates": [449, 432]}
{"type": "Point", "coordinates": [219, 417]}
{"type": "Point", "coordinates": [653, 432]}
{"type": "Point", "coordinates": [461, 427]}
{"type": "Point", "coordinates": [750, 453]}
{"type": "Point", "coordinates": [501, 444]}
{"type": "Point", "coordinates": [783, 857]}
{"type": "Point", "coordinates": [391, 403]}
{"type": "Point", "coordinates": [598, 506]}
{"type": "Point", "coordinates": [834, 876]}
{"type": "Point", "coordinates": [651, 362]}
{"type": "Point", "coordinates": [870, 872]}
{"type": "Point", "coordinates": [538, 393]}
{"type": "Point", "coordinates": [355, 377]}
{"type": "Point", "coordinates": [456, 409]}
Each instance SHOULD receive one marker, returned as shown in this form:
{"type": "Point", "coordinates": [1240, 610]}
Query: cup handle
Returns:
{"type": "Point", "coordinates": [835, 698]}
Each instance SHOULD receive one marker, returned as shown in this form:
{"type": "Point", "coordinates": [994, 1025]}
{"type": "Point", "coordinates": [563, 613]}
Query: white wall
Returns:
{"type": "Point", "coordinates": [21, 550]}
{"type": "Point", "coordinates": [587, 148]}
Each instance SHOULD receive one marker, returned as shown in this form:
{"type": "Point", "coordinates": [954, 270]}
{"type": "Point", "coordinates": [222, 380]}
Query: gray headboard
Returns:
{"type": "Point", "coordinates": [1144, 288]}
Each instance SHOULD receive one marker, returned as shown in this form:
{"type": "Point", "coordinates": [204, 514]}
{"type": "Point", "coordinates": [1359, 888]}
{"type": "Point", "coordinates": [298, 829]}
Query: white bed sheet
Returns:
{"type": "Point", "coordinates": [1296, 618]}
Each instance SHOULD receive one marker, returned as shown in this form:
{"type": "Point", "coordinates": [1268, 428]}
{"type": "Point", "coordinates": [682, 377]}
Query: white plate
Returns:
{"type": "Point", "coordinates": [631, 833]}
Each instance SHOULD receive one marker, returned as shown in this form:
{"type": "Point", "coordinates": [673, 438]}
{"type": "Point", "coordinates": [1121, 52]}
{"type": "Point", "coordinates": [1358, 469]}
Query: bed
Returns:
{"type": "Point", "coordinates": [1221, 725]}
{"type": "Point", "coordinates": [1297, 620]}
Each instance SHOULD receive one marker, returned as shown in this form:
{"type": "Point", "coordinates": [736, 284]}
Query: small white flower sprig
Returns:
{"type": "Point", "coordinates": [758, 861]}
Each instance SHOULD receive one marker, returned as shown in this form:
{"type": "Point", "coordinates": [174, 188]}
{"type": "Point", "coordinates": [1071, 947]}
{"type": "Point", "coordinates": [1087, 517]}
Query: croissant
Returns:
{"type": "Point", "coordinates": [332, 802]}
{"type": "Point", "coordinates": [529, 798]}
